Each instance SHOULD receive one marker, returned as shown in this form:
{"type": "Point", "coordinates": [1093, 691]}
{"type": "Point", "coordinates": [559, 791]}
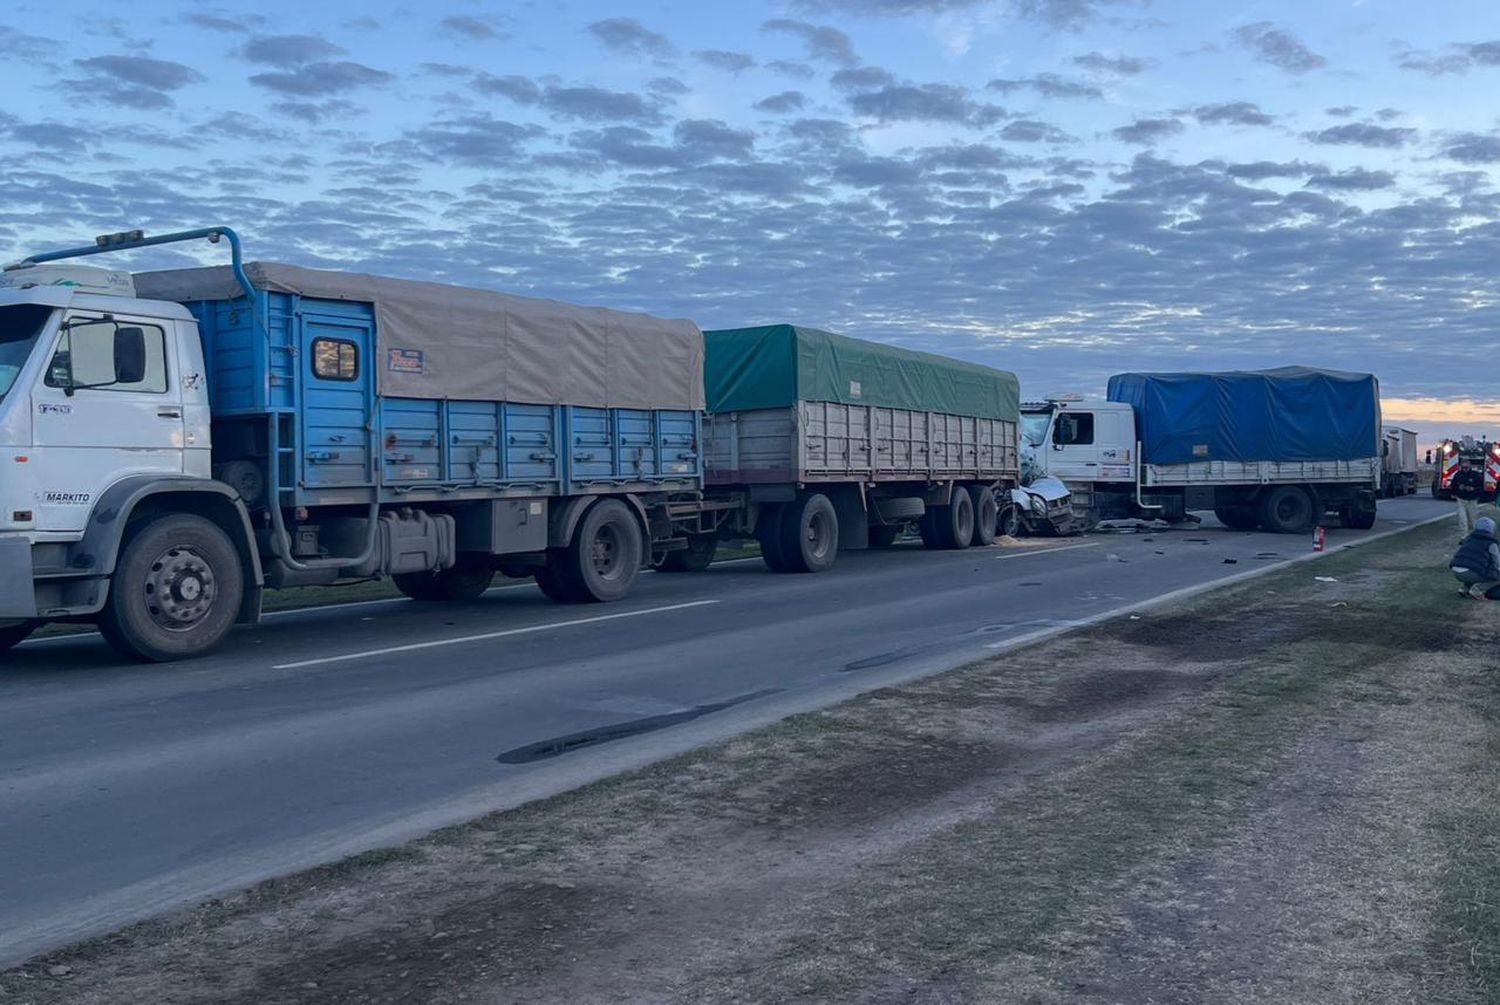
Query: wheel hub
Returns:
{"type": "Point", "coordinates": [180, 588]}
{"type": "Point", "coordinates": [605, 551]}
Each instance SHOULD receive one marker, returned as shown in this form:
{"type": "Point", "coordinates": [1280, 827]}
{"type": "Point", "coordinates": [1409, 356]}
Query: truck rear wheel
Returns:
{"type": "Point", "coordinates": [950, 527]}
{"type": "Point", "coordinates": [602, 562]}
{"type": "Point", "coordinates": [14, 634]}
{"type": "Point", "coordinates": [809, 534]}
{"type": "Point", "coordinates": [768, 533]}
{"type": "Point", "coordinates": [465, 581]}
{"type": "Point", "coordinates": [697, 556]}
{"type": "Point", "coordinates": [550, 580]}
{"type": "Point", "coordinates": [986, 515]}
{"type": "Point", "coordinates": [1237, 517]}
{"type": "Point", "coordinates": [176, 590]}
{"type": "Point", "coordinates": [1287, 509]}
{"type": "Point", "coordinates": [1358, 517]}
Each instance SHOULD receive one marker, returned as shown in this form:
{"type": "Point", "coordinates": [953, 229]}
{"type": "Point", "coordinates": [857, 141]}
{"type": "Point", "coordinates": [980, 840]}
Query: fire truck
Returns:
{"type": "Point", "coordinates": [1480, 454]}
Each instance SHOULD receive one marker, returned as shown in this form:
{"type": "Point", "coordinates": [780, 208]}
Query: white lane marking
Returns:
{"type": "Point", "coordinates": [485, 636]}
{"type": "Point", "coordinates": [1048, 551]}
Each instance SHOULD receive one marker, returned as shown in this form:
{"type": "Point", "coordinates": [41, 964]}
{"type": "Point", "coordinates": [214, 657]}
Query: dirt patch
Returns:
{"type": "Point", "coordinates": [1257, 796]}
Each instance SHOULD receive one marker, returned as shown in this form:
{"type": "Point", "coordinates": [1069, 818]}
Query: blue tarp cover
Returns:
{"type": "Point", "coordinates": [1292, 413]}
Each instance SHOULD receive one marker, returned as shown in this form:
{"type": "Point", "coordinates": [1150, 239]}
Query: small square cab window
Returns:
{"type": "Point", "coordinates": [335, 359]}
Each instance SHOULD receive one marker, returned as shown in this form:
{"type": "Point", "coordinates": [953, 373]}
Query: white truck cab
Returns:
{"type": "Point", "coordinates": [1082, 442]}
{"type": "Point", "coordinates": [94, 388]}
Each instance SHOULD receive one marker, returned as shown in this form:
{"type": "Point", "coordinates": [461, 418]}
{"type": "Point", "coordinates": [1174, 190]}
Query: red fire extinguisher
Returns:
{"type": "Point", "coordinates": [1317, 539]}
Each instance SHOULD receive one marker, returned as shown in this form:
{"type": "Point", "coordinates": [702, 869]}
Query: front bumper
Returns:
{"type": "Point", "coordinates": [17, 584]}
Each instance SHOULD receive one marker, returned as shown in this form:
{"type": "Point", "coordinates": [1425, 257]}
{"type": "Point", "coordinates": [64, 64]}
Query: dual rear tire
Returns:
{"type": "Point", "coordinates": [799, 536]}
{"type": "Point", "coordinates": [953, 526]}
{"type": "Point", "coordinates": [603, 560]}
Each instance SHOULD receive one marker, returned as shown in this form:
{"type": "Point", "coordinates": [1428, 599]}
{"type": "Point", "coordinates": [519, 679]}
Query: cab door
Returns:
{"type": "Point", "coordinates": [98, 416]}
{"type": "Point", "coordinates": [1074, 448]}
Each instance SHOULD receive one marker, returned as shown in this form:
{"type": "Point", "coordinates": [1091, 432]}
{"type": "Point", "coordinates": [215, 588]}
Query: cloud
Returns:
{"type": "Point", "coordinates": [924, 103]}
{"type": "Point", "coordinates": [156, 74]}
{"type": "Point", "coordinates": [288, 52]}
{"type": "Point", "coordinates": [477, 140]}
{"type": "Point", "coordinates": [1362, 135]}
{"type": "Point", "coordinates": [1341, 111]}
{"type": "Point", "coordinates": [710, 139]}
{"type": "Point", "coordinates": [863, 78]}
{"type": "Point", "coordinates": [1066, 14]}
{"type": "Point", "coordinates": [1473, 148]}
{"type": "Point", "coordinates": [628, 37]}
{"type": "Point", "coordinates": [52, 136]}
{"type": "Point", "coordinates": [1047, 85]}
{"type": "Point", "coordinates": [1278, 47]}
{"type": "Point", "coordinates": [1261, 170]}
{"type": "Point", "coordinates": [1434, 64]}
{"type": "Point", "coordinates": [884, 8]}
{"type": "Point", "coordinates": [1484, 53]}
{"type": "Point", "coordinates": [786, 101]}
{"type": "Point", "coordinates": [823, 43]}
{"type": "Point", "coordinates": [721, 59]}
{"type": "Point", "coordinates": [1122, 66]}
{"type": "Point", "coordinates": [586, 104]}
{"type": "Point", "coordinates": [471, 28]}
{"type": "Point", "coordinates": [239, 24]}
{"type": "Point", "coordinates": [316, 80]}
{"type": "Point", "coordinates": [1031, 131]}
{"type": "Point", "coordinates": [316, 112]}
{"type": "Point", "coordinates": [131, 81]}
{"type": "Point", "coordinates": [1147, 131]}
{"type": "Point", "coordinates": [1234, 113]}
{"type": "Point", "coordinates": [1353, 180]}
{"type": "Point", "coordinates": [792, 68]}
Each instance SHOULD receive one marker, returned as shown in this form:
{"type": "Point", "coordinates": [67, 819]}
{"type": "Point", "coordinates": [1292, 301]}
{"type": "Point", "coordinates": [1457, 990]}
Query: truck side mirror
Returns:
{"type": "Point", "coordinates": [130, 355]}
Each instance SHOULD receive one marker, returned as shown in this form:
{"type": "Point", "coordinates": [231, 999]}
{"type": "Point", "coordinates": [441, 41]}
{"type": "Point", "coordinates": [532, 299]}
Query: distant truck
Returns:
{"type": "Point", "coordinates": [1398, 462]}
{"type": "Point", "coordinates": [1481, 455]}
{"type": "Point", "coordinates": [1274, 448]}
{"type": "Point", "coordinates": [177, 442]}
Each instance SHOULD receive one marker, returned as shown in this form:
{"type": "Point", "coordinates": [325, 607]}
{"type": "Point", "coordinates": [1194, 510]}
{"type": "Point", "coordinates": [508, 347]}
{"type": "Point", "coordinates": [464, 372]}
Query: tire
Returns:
{"type": "Point", "coordinates": [884, 535]}
{"type": "Point", "coordinates": [768, 533]}
{"type": "Point", "coordinates": [601, 563]}
{"type": "Point", "coordinates": [1358, 517]}
{"type": "Point", "coordinates": [464, 582]}
{"type": "Point", "coordinates": [1008, 523]}
{"type": "Point", "coordinates": [986, 516]}
{"type": "Point", "coordinates": [552, 583]}
{"type": "Point", "coordinates": [13, 635]}
{"type": "Point", "coordinates": [950, 527]}
{"type": "Point", "coordinates": [1287, 509]}
{"type": "Point", "coordinates": [697, 556]}
{"type": "Point", "coordinates": [809, 534]}
{"type": "Point", "coordinates": [176, 590]}
{"type": "Point", "coordinates": [1237, 517]}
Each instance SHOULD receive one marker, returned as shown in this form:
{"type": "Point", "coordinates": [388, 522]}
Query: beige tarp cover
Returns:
{"type": "Point", "coordinates": [437, 341]}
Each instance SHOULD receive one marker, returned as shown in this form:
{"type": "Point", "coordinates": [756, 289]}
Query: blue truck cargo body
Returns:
{"type": "Point", "coordinates": [337, 440]}
{"type": "Point", "coordinates": [1247, 416]}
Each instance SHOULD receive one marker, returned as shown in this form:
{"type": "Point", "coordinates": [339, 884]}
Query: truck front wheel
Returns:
{"type": "Point", "coordinates": [176, 590]}
{"type": "Point", "coordinates": [1287, 509]}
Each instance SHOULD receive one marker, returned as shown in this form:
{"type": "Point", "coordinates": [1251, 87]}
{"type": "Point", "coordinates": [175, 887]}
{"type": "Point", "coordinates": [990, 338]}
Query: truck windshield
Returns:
{"type": "Point", "coordinates": [1034, 427]}
{"type": "Point", "coordinates": [20, 324]}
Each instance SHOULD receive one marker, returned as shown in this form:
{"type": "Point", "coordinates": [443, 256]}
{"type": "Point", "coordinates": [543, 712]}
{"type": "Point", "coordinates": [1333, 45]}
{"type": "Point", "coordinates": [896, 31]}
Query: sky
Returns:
{"type": "Point", "coordinates": [1061, 188]}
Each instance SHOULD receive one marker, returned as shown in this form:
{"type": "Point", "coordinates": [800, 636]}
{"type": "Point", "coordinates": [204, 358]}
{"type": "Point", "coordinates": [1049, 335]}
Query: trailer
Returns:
{"type": "Point", "coordinates": [840, 443]}
{"type": "Point", "coordinates": [1276, 449]}
{"type": "Point", "coordinates": [1398, 462]}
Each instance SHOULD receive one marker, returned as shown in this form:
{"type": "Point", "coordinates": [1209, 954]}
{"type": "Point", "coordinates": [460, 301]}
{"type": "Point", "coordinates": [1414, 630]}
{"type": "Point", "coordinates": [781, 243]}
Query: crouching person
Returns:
{"type": "Point", "coordinates": [1476, 564]}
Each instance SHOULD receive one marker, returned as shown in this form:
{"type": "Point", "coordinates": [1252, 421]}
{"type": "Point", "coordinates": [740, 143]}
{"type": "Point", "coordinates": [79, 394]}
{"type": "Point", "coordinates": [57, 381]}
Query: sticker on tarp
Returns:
{"type": "Point", "coordinates": [1200, 449]}
{"type": "Point", "coordinates": [855, 389]}
{"type": "Point", "coordinates": [405, 361]}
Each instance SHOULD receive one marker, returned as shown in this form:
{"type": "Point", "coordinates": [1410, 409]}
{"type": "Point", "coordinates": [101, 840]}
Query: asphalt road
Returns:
{"type": "Point", "coordinates": [125, 790]}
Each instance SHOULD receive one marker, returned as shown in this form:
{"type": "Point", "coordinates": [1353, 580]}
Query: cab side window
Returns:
{"type": "Point", "coordinates": [1074, 429]}
{"type": "Point", "coordinates": [86, 350]}
{"type": "Point", "coordinates": [335, 359]}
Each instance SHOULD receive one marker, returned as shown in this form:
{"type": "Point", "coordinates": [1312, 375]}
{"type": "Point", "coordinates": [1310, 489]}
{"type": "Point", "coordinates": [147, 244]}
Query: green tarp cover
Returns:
{"type": "Point", "coordinates": [777, 365]}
